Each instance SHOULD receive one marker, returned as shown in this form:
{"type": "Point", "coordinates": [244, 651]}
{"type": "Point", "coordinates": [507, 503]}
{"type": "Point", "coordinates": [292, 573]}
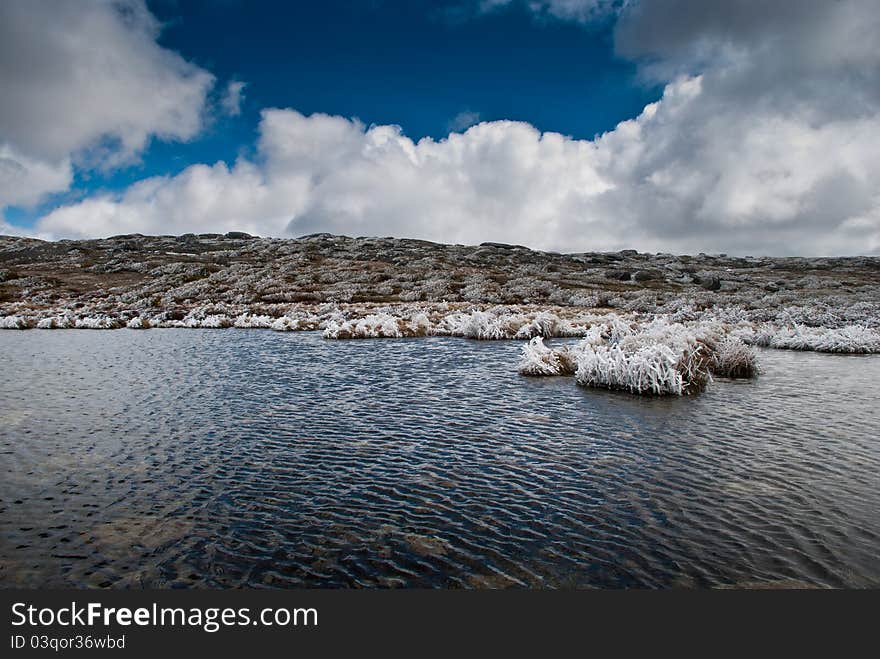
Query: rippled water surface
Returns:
{"type": "Point", "coordinates": [171, 458]}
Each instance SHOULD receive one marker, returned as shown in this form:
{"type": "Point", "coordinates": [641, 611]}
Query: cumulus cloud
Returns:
{"type": "Point", "coordinates": [24, 180]}
{"type": "Point", "coordinates": [699, 175]}
{"type": "Point", "coordinates": [772, 152]}
{"type": "Point", "coordinates": [232, 98]}
{"type": "Point", "coordinates": [323, 173]}
{"type": "Point", "coordinates": [85, 83]}
{"type": "Point", "coordinates": [764, 141]}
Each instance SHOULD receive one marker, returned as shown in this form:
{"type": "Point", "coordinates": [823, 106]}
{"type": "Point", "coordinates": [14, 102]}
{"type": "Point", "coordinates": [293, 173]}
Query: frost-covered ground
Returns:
{"type": "Point", "coordinates": [650, 322]}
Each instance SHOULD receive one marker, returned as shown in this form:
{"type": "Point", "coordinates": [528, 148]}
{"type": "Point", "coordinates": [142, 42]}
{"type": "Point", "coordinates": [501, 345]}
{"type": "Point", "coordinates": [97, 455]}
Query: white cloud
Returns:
{"type": "Point", "coordinates": [25, 180]}
{"type": "Point", "coordinates": [463, 120]}
{"type": "Point", "coordinates": [323, 173]}
{"type": "Point", "coordinates": [232, 98]}
{"type": "Point", "coordinates": [764, 142]}
{"type": "Point", "coordinates": [574, 10]}
{"type": "Point", "coordinates": [86, 82]}
{"type": "Point", "coordinates": [698, 174]}
{"type": "Point", "coordinates": [578, 10]}
{"type": "Point", "coordinates": [766, 187]}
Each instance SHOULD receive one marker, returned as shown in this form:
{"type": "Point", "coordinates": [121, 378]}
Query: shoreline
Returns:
{"type": "Point", "coordinates": [351, 288]}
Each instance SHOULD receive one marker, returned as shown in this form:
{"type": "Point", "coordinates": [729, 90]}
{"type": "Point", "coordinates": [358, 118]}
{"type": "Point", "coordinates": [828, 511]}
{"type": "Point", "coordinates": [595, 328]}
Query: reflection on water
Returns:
{"type": "Point", "coordinates": [206, 458]}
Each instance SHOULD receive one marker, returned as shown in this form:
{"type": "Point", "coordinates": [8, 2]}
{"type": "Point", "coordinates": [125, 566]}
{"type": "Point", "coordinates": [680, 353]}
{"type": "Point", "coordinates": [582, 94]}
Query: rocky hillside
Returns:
{"type": "Point", "coordinates": [171, 275]}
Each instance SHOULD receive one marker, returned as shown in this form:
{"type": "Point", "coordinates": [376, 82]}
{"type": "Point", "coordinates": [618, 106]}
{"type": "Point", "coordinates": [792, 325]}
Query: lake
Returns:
{"type": "Point", "coordinates": [248, 458]}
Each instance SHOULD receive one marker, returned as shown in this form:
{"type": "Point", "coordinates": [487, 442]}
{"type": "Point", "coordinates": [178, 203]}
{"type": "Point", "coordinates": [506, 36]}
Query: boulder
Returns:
{"type": "Point", "coordinates": [710, 282]}
{"type": "Point", "coordinates": [618, 275]}
{"type": "Point", "coordinates": [647, 275]}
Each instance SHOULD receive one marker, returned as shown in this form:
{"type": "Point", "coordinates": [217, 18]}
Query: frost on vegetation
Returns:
{"type": "Point", "coordinates": [722, 329]}
{"type": "Point", "coordinates": [373, 326]}
{"type": "Point", "coordinates": [482, 325]}
{"type": "Point", "coordinates": [138, 323]}
{"type": "Point", "coordinates": [496, 323]}
{"type": "Point", "coordinates": [499, 324]}
{"type": "Point", "coordinates": [15, 322]}
{"type": "Point", "coordinates": [98, 322]}
{"type": "Point", "coordinates": [214, 321]}
{"type": "Point", "coordinates": [733, 358]}
{"type": "Point", "coordinates": [658, 357]}
{"type": "Point", "coordinates": [285, 324]}
{"type": "Point", "coordinates": [655, 369]}
{"type": "Point", "coordinates": [538, 359]}
{"type": "Point", "coordinates": [850, 339]}
{"type": "Point", "coordinates": [62, 321]}
{"type": "Point", "coordinates": [253, 321]}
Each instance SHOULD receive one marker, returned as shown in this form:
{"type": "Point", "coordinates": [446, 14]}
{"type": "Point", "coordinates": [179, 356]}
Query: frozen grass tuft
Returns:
{"type": "Point", "coordinates": [650, 369]}
{"type": "Point", "coordinates": [850, 339]}
{"type": "Point", "coordinates": [484, 326]}
{"type": "Point", "coordinates": [660, 357]}
{"type": "Point", "coordinates": [15, 322]}
{"type": "Point", "coordinates": [732, 358]}
{"type": "Point", "coordinates": [538, 359]}
{"type": "Point", "coordinates": [373, 326]}
{"type": "Point", "coordinates": [253, 321]}
{"type": "Point", "coordinates": [64, 321]}
{"type": "Point", "coordinates": [138, 323]}
{"type": "Point", "coordinates": [213, 321]}
{"type": "Point", "coordinates": [286, 324]}
{"type": "Point", "coordinates": [98, 322]}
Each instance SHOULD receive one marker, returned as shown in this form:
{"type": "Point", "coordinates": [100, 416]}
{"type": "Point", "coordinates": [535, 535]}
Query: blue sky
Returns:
{"type": "Point", "coordinates": [411, 63]}
{"type": "Point", "coordinates": [664, 125]}
{"type": "Point", "coordinates": [425, 65]}
{"type": "Point", "coordinates": [418, 64]}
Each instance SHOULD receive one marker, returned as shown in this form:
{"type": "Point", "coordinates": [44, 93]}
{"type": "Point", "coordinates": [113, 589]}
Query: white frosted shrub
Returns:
{"type": "Point", "coordinates": [15, 322]}
{"type": "Point", "coordinates": [538, 359]}
{"type": "Point", "coordinates": [659, 358]}
{"type": "Point", "coordinates": [732, 358]}
{"type": "Point", "coordinates": [57, 322]}
{"type": "Point", "coordinates": [851, 339]}
{"type": "Point", "coordinates": [380, 325]}
{"type": "Point", "coordinates": [654, 368]}
{"type": "Point", "coordinates": [98, 322]}
{"type": "Point", "coordinates": [482, 325]}
{"type": "Point", "coordinates": [249, 321]}
{"type": "Point", "coordinates": [214, 321]}
{"type": "Point", "coordinates": [138, 323]}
